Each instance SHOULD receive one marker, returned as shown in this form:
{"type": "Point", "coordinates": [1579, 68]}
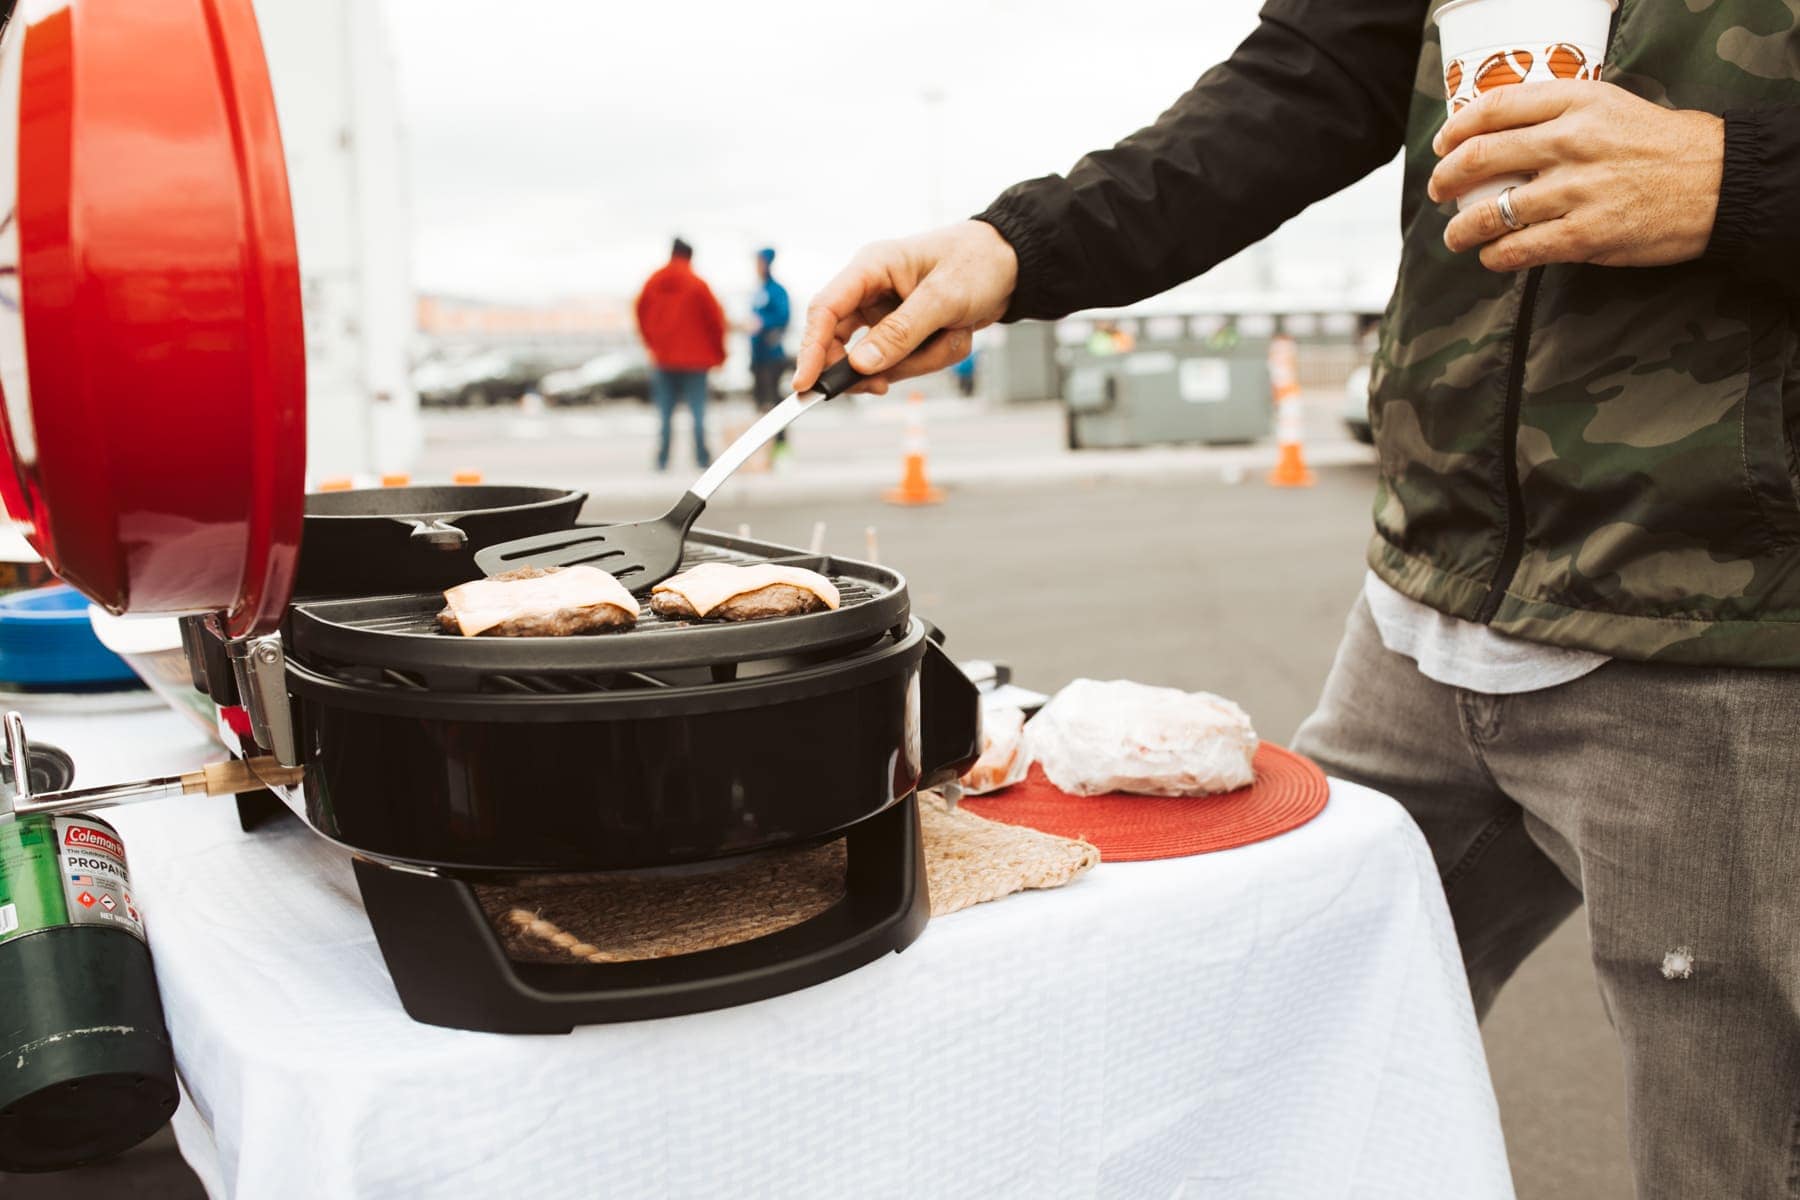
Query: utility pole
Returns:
{"type": "Point", "coordinates": [933, 96]}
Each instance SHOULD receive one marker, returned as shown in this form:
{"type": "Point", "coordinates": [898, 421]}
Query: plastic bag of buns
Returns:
{"type": "Point", "coordinates": [1002, 762]}
{"type": "Point", "coordinates": [1094, 738]}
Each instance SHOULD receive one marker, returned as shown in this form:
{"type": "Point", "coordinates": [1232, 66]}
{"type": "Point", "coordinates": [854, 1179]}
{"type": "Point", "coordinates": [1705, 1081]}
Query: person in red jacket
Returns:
{"type": "Point", "coordinates": [683, 328]}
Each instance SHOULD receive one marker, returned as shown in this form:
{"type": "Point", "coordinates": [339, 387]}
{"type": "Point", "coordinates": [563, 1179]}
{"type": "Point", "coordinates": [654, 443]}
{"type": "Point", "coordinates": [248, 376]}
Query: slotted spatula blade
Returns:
{"type": "Point", "coordinates": [639, 554]}
{"type": "Point", "coordinates": [642, 554]}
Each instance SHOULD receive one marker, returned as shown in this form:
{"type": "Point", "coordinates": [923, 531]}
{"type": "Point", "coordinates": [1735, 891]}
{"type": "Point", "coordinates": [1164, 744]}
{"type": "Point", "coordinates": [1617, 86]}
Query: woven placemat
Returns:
{"type": "Point", "coordinates": [624, 918]}
{"type": "Point", "coordinates": [970, 859]}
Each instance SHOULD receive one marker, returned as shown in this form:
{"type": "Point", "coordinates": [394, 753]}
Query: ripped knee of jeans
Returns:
{"type": "Point", "coordinates": [1678, 964]}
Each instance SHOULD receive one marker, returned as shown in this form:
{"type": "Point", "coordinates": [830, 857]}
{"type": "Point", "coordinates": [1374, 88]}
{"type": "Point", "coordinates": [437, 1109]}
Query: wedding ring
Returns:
{"type": "Point", "coordinates": [1506, 211]}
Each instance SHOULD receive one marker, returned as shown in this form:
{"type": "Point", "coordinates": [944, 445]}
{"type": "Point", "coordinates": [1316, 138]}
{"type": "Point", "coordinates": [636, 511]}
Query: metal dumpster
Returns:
{"type": "Point", "coordinates": [1212, 389]}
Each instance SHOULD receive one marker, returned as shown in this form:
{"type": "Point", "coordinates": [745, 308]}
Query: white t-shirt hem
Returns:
{"type": "Point", "coordinates": [1463, 654]}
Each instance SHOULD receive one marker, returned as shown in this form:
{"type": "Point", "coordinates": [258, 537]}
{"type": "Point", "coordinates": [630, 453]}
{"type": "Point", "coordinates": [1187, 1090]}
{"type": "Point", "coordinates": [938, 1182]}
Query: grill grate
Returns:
{"type": "Point", "coordinates": [394, 643]}
{"type": "Point", "coordinates": [422, 622]}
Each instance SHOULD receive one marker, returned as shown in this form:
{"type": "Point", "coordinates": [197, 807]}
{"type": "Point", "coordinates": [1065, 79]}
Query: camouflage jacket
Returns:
{"type": "Point", "coordinates": [1600, 457]}
{"type": "Point", "coordinates": [1592, 457]}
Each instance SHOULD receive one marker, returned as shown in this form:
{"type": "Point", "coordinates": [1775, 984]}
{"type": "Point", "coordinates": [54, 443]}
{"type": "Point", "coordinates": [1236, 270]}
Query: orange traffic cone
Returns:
{"type": "Point", "coordinates": [1290, 424]}
{"type": "Point", "coordinates": [914, 487]}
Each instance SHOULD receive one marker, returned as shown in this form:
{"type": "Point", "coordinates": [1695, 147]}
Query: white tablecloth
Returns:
{"type": "Point", "coordinates": [1288, 1020]}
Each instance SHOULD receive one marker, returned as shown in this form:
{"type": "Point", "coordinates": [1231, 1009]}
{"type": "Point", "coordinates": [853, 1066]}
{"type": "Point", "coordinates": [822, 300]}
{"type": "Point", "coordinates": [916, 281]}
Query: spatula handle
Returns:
{"type": "Point", "coordinates": [832, 381]}
{"type": "Point", "coordinates": [836, 379]}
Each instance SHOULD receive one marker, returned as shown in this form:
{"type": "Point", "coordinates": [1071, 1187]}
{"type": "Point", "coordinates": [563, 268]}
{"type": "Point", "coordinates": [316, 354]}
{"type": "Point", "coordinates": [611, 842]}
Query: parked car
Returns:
{"type": "Point", "coordinates": [1356, 406]}
{"type": "Point", "coordinates": [615, 375]}
{"type": "Point", "coordinates": [490, 377]}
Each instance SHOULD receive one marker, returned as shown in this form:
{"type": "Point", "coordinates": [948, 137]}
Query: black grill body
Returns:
{"type": "Point", "coordinates": [618, 781]}
{"type": "Point", "coordinates": [446, 762]}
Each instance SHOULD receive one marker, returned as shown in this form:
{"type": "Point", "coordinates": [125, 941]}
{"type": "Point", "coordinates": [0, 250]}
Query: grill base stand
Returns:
{"type": "Point", "coordinates": [450, 969]}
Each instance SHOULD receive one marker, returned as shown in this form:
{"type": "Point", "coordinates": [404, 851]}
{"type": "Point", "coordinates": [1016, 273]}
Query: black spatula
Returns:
{"type": "Point", "coordinates": [645, 553]}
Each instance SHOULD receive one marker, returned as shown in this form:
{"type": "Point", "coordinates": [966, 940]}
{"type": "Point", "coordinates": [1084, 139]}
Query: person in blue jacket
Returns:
{"type": "Point", "coordinates": [768, 330]}
{"type": "Point", "coordinates": [965, 375]}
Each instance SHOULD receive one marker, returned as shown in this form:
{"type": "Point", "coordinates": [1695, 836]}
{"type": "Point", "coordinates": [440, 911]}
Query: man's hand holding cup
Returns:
{"type": "Point", "coordinates": [1549, 164]}
{"type": "Point", "coordinates": [1615, 180]}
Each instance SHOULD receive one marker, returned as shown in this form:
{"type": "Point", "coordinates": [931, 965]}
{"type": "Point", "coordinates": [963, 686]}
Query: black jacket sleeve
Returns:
{"type": "Point", "coordinates": [1757, 227]}
{"type": "Point", "coordinates": [1313, 100]}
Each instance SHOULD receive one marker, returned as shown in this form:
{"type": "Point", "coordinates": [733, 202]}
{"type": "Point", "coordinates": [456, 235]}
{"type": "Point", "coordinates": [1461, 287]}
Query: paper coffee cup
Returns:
{"type": "Point", "coordinates": [1489, 44]}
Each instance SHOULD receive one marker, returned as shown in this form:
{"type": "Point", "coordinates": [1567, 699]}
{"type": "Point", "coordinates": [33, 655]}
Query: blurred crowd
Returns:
{"type": "Point", "coordinates": [689, 352]}
{"type": "Point", "coordinates": [683, 328]}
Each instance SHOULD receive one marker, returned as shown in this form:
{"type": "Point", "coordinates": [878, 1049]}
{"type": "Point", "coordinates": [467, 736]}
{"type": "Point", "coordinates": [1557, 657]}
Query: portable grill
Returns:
{"type": "Point", "coordinates": [448, 762]}
{"type": "Point", "coordinates": [155, 428]}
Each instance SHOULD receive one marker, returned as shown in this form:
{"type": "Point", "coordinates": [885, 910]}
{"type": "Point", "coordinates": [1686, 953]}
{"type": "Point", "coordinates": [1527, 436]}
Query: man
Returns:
{"type": "Point", "coordinates": [683, 329]}
{"type": "Point", "coordinates": [1574, 658]}
{"type": "Point", "coordinates": [768, 333]}
{"type": "Point", "coordinates": [964, 371]}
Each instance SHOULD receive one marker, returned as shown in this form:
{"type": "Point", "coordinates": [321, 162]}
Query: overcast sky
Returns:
{"type": "Point", "coordinates": [556, 145]}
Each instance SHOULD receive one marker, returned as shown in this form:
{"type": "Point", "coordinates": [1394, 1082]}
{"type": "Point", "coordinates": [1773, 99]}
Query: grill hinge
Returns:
{"type": "Point", "coordinates": [261, 670]}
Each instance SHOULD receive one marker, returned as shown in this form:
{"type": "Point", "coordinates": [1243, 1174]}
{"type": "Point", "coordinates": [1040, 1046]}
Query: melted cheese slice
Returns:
{"type": "Point", "coordinates": [485, 603]}
{"type": "Point", "coordinates": [709, 585]}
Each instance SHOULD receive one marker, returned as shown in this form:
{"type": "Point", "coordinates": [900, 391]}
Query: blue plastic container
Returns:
{"type": "Point", "coordinates": [46, 640]}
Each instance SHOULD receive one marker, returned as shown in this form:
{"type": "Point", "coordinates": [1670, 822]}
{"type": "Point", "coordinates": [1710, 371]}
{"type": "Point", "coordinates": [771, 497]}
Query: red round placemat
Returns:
{"type": "Point", "coordinates": [1289, 791]}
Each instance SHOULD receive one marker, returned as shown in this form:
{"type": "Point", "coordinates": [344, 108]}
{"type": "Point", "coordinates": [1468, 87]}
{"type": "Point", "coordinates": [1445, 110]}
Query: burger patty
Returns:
{"type": "Point", "coordinates": [775, 600]}
{"type": "Point", "coordinates": [562, 622]}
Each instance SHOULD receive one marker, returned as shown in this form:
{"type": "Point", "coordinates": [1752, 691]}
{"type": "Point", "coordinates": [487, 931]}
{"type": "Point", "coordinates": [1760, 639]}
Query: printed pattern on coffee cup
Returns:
{"type": "Point", "coordinates": [1470, 76]}
{"type": "Point", "coordinates": [1498, 70]}
{"type": "Point", "coordinates": [1569, 61]}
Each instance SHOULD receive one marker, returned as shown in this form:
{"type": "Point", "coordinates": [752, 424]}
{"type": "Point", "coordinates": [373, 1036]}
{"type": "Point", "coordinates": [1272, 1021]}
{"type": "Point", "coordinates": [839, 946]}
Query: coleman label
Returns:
{"type": "Point", "coordinates": [63, 871]}
{"type": "Point", "coordinates": [86, 837]}
{"type": "Point", "coordinates": [96, 886]}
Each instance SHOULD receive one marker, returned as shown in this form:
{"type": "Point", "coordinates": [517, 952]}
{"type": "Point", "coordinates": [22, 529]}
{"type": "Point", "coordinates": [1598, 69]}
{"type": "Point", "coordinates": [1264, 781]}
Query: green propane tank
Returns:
{"type": "Point", "coordinates": [86, 1070]}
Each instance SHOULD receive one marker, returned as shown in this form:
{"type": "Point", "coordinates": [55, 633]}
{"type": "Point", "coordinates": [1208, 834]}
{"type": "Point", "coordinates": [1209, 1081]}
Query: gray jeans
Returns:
{"type": "Point", "coordinates": [1669, 799]}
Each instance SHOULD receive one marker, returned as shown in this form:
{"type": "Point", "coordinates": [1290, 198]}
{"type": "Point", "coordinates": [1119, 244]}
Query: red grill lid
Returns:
{"type": "Point", "coordinates": [151, 350]}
